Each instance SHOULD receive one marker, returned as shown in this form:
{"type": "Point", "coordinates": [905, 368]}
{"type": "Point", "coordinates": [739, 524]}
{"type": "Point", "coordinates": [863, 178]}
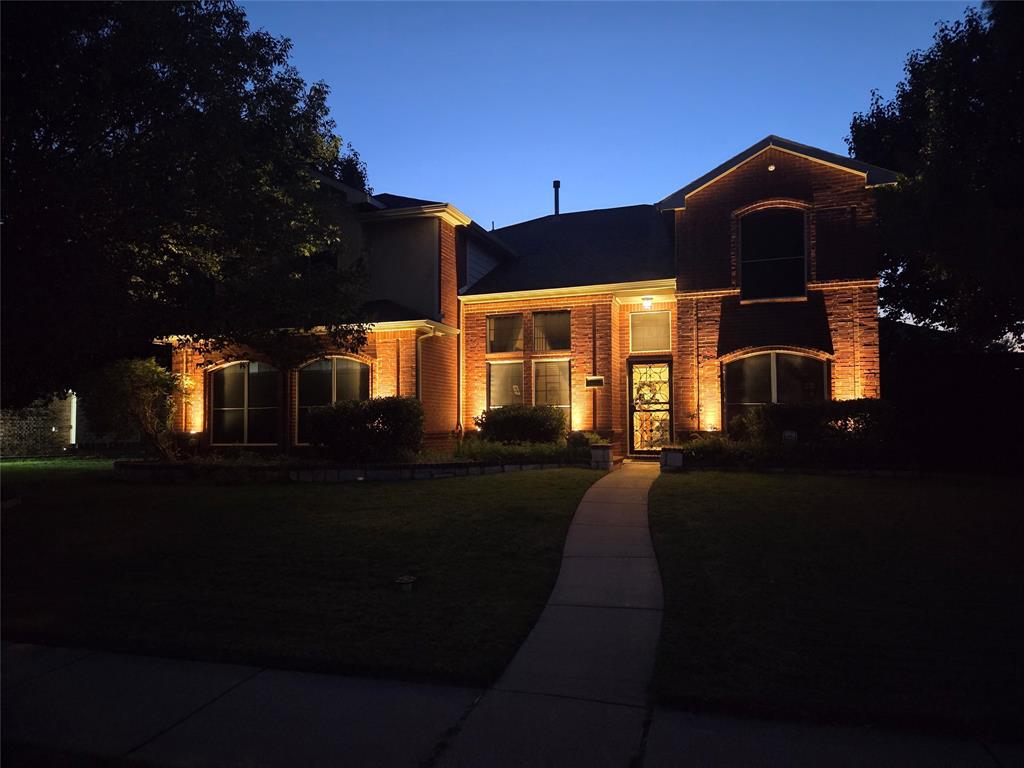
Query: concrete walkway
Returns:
{"type": "Point", "coordinates": [576, 693]}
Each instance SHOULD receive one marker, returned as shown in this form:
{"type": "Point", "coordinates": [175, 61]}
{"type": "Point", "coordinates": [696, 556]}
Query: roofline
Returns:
{"type": "Point", "coordinates": [351, 193]}
{"type": "Point", "coordinates": [637, 288]}
{"type": "Point", "coordinates": [677, 200]}
{"type": "Point", "coordinates": [423, 324]}
{"type": "Point", "coordinates": [444, 211]}
{"type": "Point", "coordinates": [564, 214]}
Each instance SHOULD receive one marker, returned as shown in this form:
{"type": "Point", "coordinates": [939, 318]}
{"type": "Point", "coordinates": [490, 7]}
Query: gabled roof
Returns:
{"type": "Point", "coordinates": [612, 245]}
{"type": "Point", "coordinates": [873, 174]}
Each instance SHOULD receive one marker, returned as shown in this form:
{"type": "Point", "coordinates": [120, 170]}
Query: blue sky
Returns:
{"type": "Point", "coordinates": [483, 104]}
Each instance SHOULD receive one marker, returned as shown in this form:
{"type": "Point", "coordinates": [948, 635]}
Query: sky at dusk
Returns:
{"type": "Point", "coordinates": [483, 104]}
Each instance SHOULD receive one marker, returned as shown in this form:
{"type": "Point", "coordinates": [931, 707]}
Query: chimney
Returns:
{"type": "Point", "coordinates": [556, 184]}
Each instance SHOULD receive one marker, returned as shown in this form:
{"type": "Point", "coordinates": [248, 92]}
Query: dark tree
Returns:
{"type": "Point", "coordinates": [954, 225]}
{"type": "Point", "coordinates": [160, 176]}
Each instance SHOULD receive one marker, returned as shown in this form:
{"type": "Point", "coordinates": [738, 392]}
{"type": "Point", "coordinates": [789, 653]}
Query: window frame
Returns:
{"type": "Point", "coordinates": [522, 381]}
{"type": "Point", "coordinates": [650, 313]}
{"type": "Point", "coordinates": [245, 404]}
{"type": "Point", "coordinates": [488, 324]}
{"type": "Point", "coordinates": [805, 225]}
{"type": "Point", "coordinates": [826, 366]}
{"type": "Point", "coordinates": [567, 361]}
{"type": "Point", "coordinates": [535, 315]}
{"type": "Point", "coordinates": [334, 386]}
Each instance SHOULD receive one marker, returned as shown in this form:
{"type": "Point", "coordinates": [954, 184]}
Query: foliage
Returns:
{"type": "Point", "coordinates": [522, 424]}
{"type": "Point", "coordinates": [163, 167]}
{"type": "Point", "coordinates": [473, 448]}
{"type": "Point", "coordinates": [954, 223]}
{"type": "Point", "coordinates": [867, 422]}
{"type": "Point", "coordinates": [379, 429]}
{"type": "Point", "coordinates": [583, 439]}
{"type": "Point", "coordinates": [129, 395]}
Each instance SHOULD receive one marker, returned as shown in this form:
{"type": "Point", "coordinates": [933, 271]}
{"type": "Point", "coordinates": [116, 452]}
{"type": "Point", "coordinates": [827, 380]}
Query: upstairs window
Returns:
{"type": "Point", "coordinates": [245, 403]}
{"type": "Point", "coordinates": [325, 382]}
{"type": "Point", "coordinates": [772, 254]}
{"type": "Point", "coordinates": [551, 331]}
{"type": "Point", "coordinates": [505, 333]}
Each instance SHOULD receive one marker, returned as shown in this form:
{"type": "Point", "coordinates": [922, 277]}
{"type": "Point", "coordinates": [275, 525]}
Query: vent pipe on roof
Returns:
{"type": "Point", "coordinates": [556, 184]}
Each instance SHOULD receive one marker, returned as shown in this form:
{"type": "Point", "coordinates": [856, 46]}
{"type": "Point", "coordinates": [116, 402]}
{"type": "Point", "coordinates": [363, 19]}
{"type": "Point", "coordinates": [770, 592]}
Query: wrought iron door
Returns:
{"type": "Point", "coordinates": [650, 406]}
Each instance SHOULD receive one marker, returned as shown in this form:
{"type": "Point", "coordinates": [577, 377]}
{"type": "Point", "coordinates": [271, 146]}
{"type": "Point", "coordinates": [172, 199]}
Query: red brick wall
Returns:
{"type": "Point", "coordinates": [449, 282]}
{"type": "Point", "coordinates": [439, 384]}
{"type": "Point", "coordinates": [587, 312]}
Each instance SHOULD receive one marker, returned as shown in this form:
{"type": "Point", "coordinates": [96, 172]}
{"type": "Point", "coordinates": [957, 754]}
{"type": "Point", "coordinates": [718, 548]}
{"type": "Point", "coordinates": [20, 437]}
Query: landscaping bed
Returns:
{"type": "Point", "coordinates": [884, 600]}
{"type": "Point", "coordinates": [297, 576]}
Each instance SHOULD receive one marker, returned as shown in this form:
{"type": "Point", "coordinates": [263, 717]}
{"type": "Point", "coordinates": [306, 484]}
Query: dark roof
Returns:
{"type": "Point", "coordinates": [386, 311]}
{"type": "Point", "coordinates": [875, 175]}
{"type": "Point", "coordinates": [400, 201]}
{"type": "Point", "coordinates": [613, 245]}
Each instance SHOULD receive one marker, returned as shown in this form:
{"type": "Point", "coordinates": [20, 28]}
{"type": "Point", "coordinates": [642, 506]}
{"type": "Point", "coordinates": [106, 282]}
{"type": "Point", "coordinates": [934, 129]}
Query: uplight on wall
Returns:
{"type": "Point", "coordinates": [647, 302]}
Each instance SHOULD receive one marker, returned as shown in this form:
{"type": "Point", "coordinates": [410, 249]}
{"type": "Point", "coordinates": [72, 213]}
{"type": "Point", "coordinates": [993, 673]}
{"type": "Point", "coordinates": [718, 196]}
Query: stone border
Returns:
{"type": "Point", "coordinates": [301, 472]}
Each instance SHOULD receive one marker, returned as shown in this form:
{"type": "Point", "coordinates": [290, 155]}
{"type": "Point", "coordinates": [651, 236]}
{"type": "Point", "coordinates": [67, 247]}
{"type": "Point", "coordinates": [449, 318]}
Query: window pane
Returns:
{"type": "Point", "coordinates": [773, 279]}
{"type": "Point", "coordinates": [263, 386]}
{"type": "Point", "coordinates": [799, 379]}
{"type": "Point", "coordinates": [352, 380]}
{"type": "Point", "coordinates": [505, 333]}
{"type": "Point", "coordinates": [551, 331]}
{"type": "Point", "coordinates": [506, 385]}
{"type": "Point", "coordinates": [227, 425]}
{"type": "Point", "coordinates": [772, 250]}
{"type": "Point", "coordinates": [229, 386]}
{"type": "Point", "coordinates": [315, 384]}
{"type": "Point", "coordinates": [551, 383]}
{"type": "Point", "coordinates": [262, 425]}
{"type": "Point", "coordinates": [650, 331]}
{"type": "Point", "coordinates": [748, 380]}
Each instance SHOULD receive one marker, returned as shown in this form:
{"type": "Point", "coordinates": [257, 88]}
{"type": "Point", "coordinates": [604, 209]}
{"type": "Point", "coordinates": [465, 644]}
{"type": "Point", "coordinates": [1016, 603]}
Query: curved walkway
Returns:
{"type": "Point", "coordinates": [576, 693]}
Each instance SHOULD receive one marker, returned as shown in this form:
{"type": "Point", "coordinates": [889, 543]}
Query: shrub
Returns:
{"type": "Point", "coordinates": [720, 451]}
{"type": "Point", "coordinates": [129, 395]}
{"type": "Point", "coordinates": [582, 439]}
{"type": "Point", "coordinates": [522, 424]}
{"type": "Point", "coordinates": [379, 429]}
{"type": "Point", "coordinates": [860, 422]}
{"type": "Point", "coordinates": [474, 448]}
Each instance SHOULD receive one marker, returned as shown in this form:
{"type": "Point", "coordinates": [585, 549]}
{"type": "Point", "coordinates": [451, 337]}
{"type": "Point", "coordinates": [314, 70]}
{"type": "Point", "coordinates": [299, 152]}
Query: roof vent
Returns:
{"type": "Point", "coordinates": [556, 184]}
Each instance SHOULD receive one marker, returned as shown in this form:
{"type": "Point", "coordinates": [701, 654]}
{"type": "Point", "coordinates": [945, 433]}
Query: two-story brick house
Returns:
{"type": "Point", "coordinates": [754, 283]}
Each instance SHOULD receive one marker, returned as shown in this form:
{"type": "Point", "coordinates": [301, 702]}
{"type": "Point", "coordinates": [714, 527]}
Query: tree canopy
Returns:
{"type": "Point", "coordinates": [162, 167]}
{"type": "Point", "coordinates": [954, 224]}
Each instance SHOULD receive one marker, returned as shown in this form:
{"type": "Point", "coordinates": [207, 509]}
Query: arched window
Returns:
{"type": "Point", "coordinates": [774, 377]}
{"type": "Point", "coordinates": [245, 404]}
{"type": "Point", "coordinates": [773, 262]}
{"type": "Point", "coordinates": [324, 382]}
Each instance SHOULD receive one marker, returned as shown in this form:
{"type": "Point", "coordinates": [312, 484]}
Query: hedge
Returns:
{"type": "Point", "coordinates": [522, 424]}
{"type": "Point", "coordinates": [379, 429]}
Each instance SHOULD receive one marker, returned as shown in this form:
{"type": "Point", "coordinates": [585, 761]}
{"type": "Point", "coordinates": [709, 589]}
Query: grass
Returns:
{"type": "Point", "coordinates": [296, 576]}
{"type": "Point", "coordinates": [878, 600]}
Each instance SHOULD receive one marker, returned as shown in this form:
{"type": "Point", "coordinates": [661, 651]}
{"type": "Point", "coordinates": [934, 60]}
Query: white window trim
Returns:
{"type": "Point", "coordinates": [650, 312]}
{"type": "Point", "coordinates": [334, 388]}
{"type": "Point", "coordinates": [533, 381]}
{"type": "Point", "coordinates": [244, 409]}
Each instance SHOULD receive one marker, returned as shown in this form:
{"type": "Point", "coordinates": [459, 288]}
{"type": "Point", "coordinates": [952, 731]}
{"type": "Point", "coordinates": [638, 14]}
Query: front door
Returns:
{"type": "Point", "coordinates": [650, 406]}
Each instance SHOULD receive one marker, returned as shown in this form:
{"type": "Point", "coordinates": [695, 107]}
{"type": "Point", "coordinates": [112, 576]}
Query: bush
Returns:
{"type": "Point", "coordinates": [475, 448]}
{"type": "Point", "coordinates": [379, 429]}
{"type": "Point", "coordinates": [583, 439]}
{"type": "Point", "coordinates": [522, 424]}
{"type": "Point", "coordinates": [719, 451]}
{"type": "Point", "coordinates": [129, 395]}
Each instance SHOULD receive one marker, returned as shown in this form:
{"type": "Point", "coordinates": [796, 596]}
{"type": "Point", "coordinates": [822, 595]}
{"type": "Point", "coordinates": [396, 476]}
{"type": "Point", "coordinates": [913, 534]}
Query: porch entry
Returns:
{"type": "Point", "coordinates": [650, 406]}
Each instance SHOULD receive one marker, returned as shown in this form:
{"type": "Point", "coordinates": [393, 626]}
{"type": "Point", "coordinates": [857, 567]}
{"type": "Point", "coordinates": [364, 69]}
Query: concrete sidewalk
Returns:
{"type": "Point", "coordinates": [576, 693]}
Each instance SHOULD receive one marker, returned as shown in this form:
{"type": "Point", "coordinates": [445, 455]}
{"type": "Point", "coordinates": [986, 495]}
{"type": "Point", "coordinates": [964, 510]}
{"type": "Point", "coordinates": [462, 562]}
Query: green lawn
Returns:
{"type": "Point", "coordinates": [886, 600]}
{"type": "Point", "coordinates": [286, 575]}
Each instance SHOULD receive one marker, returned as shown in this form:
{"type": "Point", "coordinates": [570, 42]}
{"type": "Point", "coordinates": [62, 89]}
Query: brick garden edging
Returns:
{"type": "Point", "coordinates": [299, 472]}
